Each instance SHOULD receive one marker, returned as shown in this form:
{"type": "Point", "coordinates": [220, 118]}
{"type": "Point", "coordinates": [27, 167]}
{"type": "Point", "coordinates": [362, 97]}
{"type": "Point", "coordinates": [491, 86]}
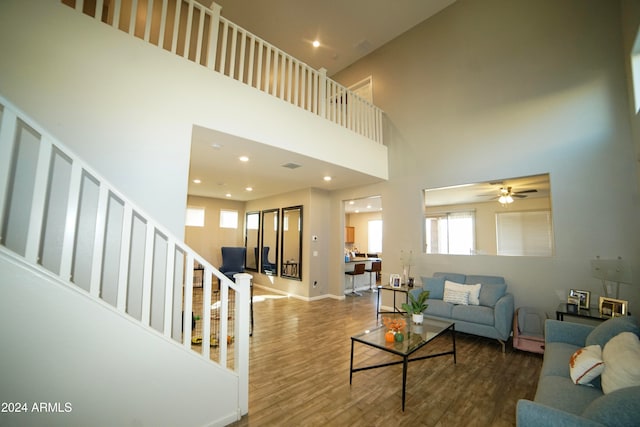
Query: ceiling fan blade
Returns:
{"type": "Point", "coordinates": [519, 196]}
{"type": "Point", "coordinates": [525, 191]}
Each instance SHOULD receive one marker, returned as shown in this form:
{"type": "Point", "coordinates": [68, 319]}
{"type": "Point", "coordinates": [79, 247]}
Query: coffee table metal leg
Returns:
{"type": "Point", "coordinates": [453, 338]}
{"type": "Point", "coordinates": [351, 364]}
{"type": "Point", "coordinates": [405, 362]}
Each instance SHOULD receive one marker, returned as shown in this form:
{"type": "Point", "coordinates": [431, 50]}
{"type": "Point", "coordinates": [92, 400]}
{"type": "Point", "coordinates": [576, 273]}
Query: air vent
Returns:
{"type": "Point", "coordinates": [291, 165]}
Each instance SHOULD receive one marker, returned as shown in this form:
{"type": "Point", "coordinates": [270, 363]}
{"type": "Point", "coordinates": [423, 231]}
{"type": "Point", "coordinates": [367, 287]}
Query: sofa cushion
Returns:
{"type": "Point", "coordinates": [556, 358]}
{"type": "Point", "coordinates": [490, 293]}
{"type": "Point", "coordinates": [435, 286]}
{"type": "Point", "coordinates": [439, 308]}
{"type": "Point", "coordinates": [561, 393]}
{"type": "Point", "coordinates": [473, 314]}
{"type": "Point", "coordinates": [619, 408]}
{"type": "Point", "coordinates": [586, 364]}
{"type": "Point", "coordinates": [453, 277]}
{"type": "Point", "coordinates": [621, 358]}
{"type": "Point", "coordinates": [490, 280]}
{"type": "Point", "coordinates": [608, 329]}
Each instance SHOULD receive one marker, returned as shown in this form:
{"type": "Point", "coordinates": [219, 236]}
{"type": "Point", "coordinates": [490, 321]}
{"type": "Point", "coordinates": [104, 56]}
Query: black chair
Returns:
{"type": "Point", "coordinates": [233, 259]}
{"type": "Point", "coordinates": [376, 267]}
{"type": "Point", "coordinates": [358, 269]}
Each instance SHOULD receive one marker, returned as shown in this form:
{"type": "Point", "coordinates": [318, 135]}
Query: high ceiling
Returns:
{"type": "Point", "coordinates": [347, 31]}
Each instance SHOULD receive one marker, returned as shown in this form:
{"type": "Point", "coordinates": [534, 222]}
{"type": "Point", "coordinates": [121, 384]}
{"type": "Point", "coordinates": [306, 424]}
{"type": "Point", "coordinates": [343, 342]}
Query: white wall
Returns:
{"type": "Point", "coordinates": [630, 13]}
{"type": "Point", "coordinates": [66, 348]}
{"type": "Point", "coordinates": [127, 108]}
{"type": "Point", "coordinates": [499, 89]}
{"type": "Point", "coordinates": [208, 240]}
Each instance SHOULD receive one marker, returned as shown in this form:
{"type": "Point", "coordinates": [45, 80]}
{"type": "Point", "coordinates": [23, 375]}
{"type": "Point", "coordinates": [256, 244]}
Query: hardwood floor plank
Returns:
{"type": "Point", "coordinates": [299, 372]}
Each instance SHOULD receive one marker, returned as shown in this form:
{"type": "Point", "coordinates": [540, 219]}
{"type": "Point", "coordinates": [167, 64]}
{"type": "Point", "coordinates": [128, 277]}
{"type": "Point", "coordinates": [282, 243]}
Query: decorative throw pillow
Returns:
{"type": "Point", "coordinates": [621, 358]}
{"type": "Point", "coordinates": [586, 364]}
{"type": "Point", "coordinates": [454, 296]}
{"type": "Point", "coordinates": [473, 290]}
{"type": "Point", "coordinates": [435, 286]}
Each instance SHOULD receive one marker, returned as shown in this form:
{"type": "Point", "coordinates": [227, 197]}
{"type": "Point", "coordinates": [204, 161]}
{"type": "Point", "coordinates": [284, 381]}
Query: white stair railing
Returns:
{"type": "Point", "coordinates": [62, 216]}
{"type": "Point", "coordinates": [199, 34]}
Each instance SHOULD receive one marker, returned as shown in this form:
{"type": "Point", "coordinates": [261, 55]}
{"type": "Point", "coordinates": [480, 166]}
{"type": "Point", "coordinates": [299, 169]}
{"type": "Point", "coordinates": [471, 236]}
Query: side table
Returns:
{"type": "Point", "coordinates": [585, 313]}
{"type": "Point", "coordinates": [402, 289]}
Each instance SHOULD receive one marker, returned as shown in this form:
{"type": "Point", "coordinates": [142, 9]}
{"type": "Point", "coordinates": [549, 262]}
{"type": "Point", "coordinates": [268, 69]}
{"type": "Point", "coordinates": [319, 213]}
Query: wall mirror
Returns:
{"type": "Point", "coordinates": [269, 252]}
{"type": "Point", "coordinates": [252, 240]}
{"type": "Point", "coordinates": [291, 264]}
{"type": "Point", "coordinates": [509, 217]}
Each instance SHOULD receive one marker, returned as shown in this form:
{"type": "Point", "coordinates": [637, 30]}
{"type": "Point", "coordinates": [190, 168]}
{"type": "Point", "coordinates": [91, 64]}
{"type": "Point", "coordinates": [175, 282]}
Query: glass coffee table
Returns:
{"type": "Point", "coordinates": [415, 337]}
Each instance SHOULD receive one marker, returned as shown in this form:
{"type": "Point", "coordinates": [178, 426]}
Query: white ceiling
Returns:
{"type": "Point", "coordinates": [215, 160]}
{"type": "Point", "coordinates": [347, 30]}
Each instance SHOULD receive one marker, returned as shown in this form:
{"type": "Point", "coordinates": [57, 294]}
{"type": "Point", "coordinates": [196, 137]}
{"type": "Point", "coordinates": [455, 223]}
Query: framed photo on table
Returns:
{"type": "Point", "coordinates": [611, 307]}
{"type": "Point", "coordinates": [583, 297]}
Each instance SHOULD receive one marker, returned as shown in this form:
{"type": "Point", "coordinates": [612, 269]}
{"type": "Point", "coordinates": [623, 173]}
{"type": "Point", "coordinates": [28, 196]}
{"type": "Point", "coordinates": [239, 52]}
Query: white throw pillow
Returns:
{"type": "Point", "coordinates": [473, 290]}
{"type": "Point", "coordinates": [456, 297]}
{"type": "Point", "coordinates": [621, 357]}
{"type": "Point", "coordinates": [586, 364]}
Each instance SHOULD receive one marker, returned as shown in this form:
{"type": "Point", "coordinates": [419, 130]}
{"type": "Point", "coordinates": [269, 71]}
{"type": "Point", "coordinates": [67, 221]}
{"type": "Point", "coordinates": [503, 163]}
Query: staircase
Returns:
{"type": "Point", "coordinates": [95, 296]}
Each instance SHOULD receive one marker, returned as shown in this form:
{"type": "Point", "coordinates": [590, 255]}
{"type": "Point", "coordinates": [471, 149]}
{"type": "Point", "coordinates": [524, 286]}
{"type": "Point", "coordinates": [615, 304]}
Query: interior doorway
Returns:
{"type": "Point", "coordinates": [363, 227]}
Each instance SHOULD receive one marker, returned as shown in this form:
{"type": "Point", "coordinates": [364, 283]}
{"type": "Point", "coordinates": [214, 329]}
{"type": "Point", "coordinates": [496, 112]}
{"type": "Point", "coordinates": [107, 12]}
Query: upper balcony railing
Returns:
{"type": "Point", "coordinates": [198, 33]}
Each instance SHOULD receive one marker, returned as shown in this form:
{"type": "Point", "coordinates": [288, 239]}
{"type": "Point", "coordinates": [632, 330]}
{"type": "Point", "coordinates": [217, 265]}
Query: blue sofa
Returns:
{"type": "Point", "coordinates": [493, 318]}
{"type": "Point", "coordinates": [560, 402]}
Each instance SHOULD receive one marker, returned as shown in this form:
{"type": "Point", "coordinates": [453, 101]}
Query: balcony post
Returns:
{"type": "Point", "coordinates": [241, 363]}
{"type": "Point", "coordinates": [322, 92]}
{"type": "Point", "coordinates": [214, 28]}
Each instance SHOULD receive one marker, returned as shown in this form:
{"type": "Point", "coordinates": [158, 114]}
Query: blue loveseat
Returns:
{"type": "Point", "coordinates": [560, 402]}
{"type": "Point", "coordinates": [492, 318]}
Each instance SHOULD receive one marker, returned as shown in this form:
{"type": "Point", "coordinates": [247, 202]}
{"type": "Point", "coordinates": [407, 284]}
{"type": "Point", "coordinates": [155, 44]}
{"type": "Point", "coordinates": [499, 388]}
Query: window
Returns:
{"type": "Point", "coordinates": [375, 236]}
{"type": "Point", "coordinates": [194, 217]}
{"type": "Point", "coordinates": [524, 233]}
{"type": "Point", "coordinates": [228, 219]}
{"type": "Point", "coordinates": [450, 233]}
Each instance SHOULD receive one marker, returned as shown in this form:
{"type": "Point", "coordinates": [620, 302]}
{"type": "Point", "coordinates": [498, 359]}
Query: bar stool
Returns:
{"type": "Point", "coordinates": [358, 269]}
{"type": "Point", "coordinates": [376, 267]}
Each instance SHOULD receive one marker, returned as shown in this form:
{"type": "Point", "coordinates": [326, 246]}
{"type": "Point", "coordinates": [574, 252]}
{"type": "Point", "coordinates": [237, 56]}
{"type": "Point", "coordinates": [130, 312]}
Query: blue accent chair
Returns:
{"type": "Point", "coordinates": [232, 261]}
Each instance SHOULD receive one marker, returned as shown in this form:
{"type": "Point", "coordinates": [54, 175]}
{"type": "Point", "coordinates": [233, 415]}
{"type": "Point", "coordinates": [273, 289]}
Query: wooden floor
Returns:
{"type": "Point", "coordinates": [299, 372]}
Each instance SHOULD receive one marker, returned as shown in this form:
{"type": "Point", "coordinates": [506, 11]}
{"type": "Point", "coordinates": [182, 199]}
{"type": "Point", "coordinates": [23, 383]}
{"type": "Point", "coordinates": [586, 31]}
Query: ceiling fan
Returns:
{"type": "Point", "coordinates": [507, 195]}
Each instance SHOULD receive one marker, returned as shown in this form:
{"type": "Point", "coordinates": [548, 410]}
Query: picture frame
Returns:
{"type": "Point", "coordinates": [584, 297]}
{"type": "Point", "coordinates": [611, 307]}
{"type": "Point", "coordinates": [394, 281]}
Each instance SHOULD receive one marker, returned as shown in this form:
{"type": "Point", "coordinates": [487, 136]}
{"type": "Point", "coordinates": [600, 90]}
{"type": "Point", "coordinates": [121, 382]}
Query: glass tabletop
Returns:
{"type": "Point", "coordinates": [415, 336]}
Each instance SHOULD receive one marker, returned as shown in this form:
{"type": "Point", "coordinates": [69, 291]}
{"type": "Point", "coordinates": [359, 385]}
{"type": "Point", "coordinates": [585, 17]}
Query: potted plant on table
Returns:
{"type": "Point", "coordinates": [416, 306]}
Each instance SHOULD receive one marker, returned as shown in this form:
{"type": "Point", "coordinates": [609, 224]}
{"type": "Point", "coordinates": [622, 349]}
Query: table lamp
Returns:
{"type": "Point", "coordinates": [611, 270]}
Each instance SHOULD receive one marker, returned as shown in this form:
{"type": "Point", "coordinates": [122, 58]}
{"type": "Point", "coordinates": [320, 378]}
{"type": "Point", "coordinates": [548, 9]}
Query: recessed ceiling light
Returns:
{"type": "Point", "coordinates": [368, 206]}
{"type": "Point", "coordinates": [352, 202]}
{"type": "Point", "coordinates": [228, 194]}
{"type": "Point", "coordinates": [249, 189]}
{"type": "Point", "coordinates": [216, 146]}
{"type": "Point", "coordinates": [244, 158]}
{"type": "Point", "coordinates": [327, 178]}
{"type": "Point", "coordinates": [316, 43]}
{"type": "Point", "coordinates": [196, 181]}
